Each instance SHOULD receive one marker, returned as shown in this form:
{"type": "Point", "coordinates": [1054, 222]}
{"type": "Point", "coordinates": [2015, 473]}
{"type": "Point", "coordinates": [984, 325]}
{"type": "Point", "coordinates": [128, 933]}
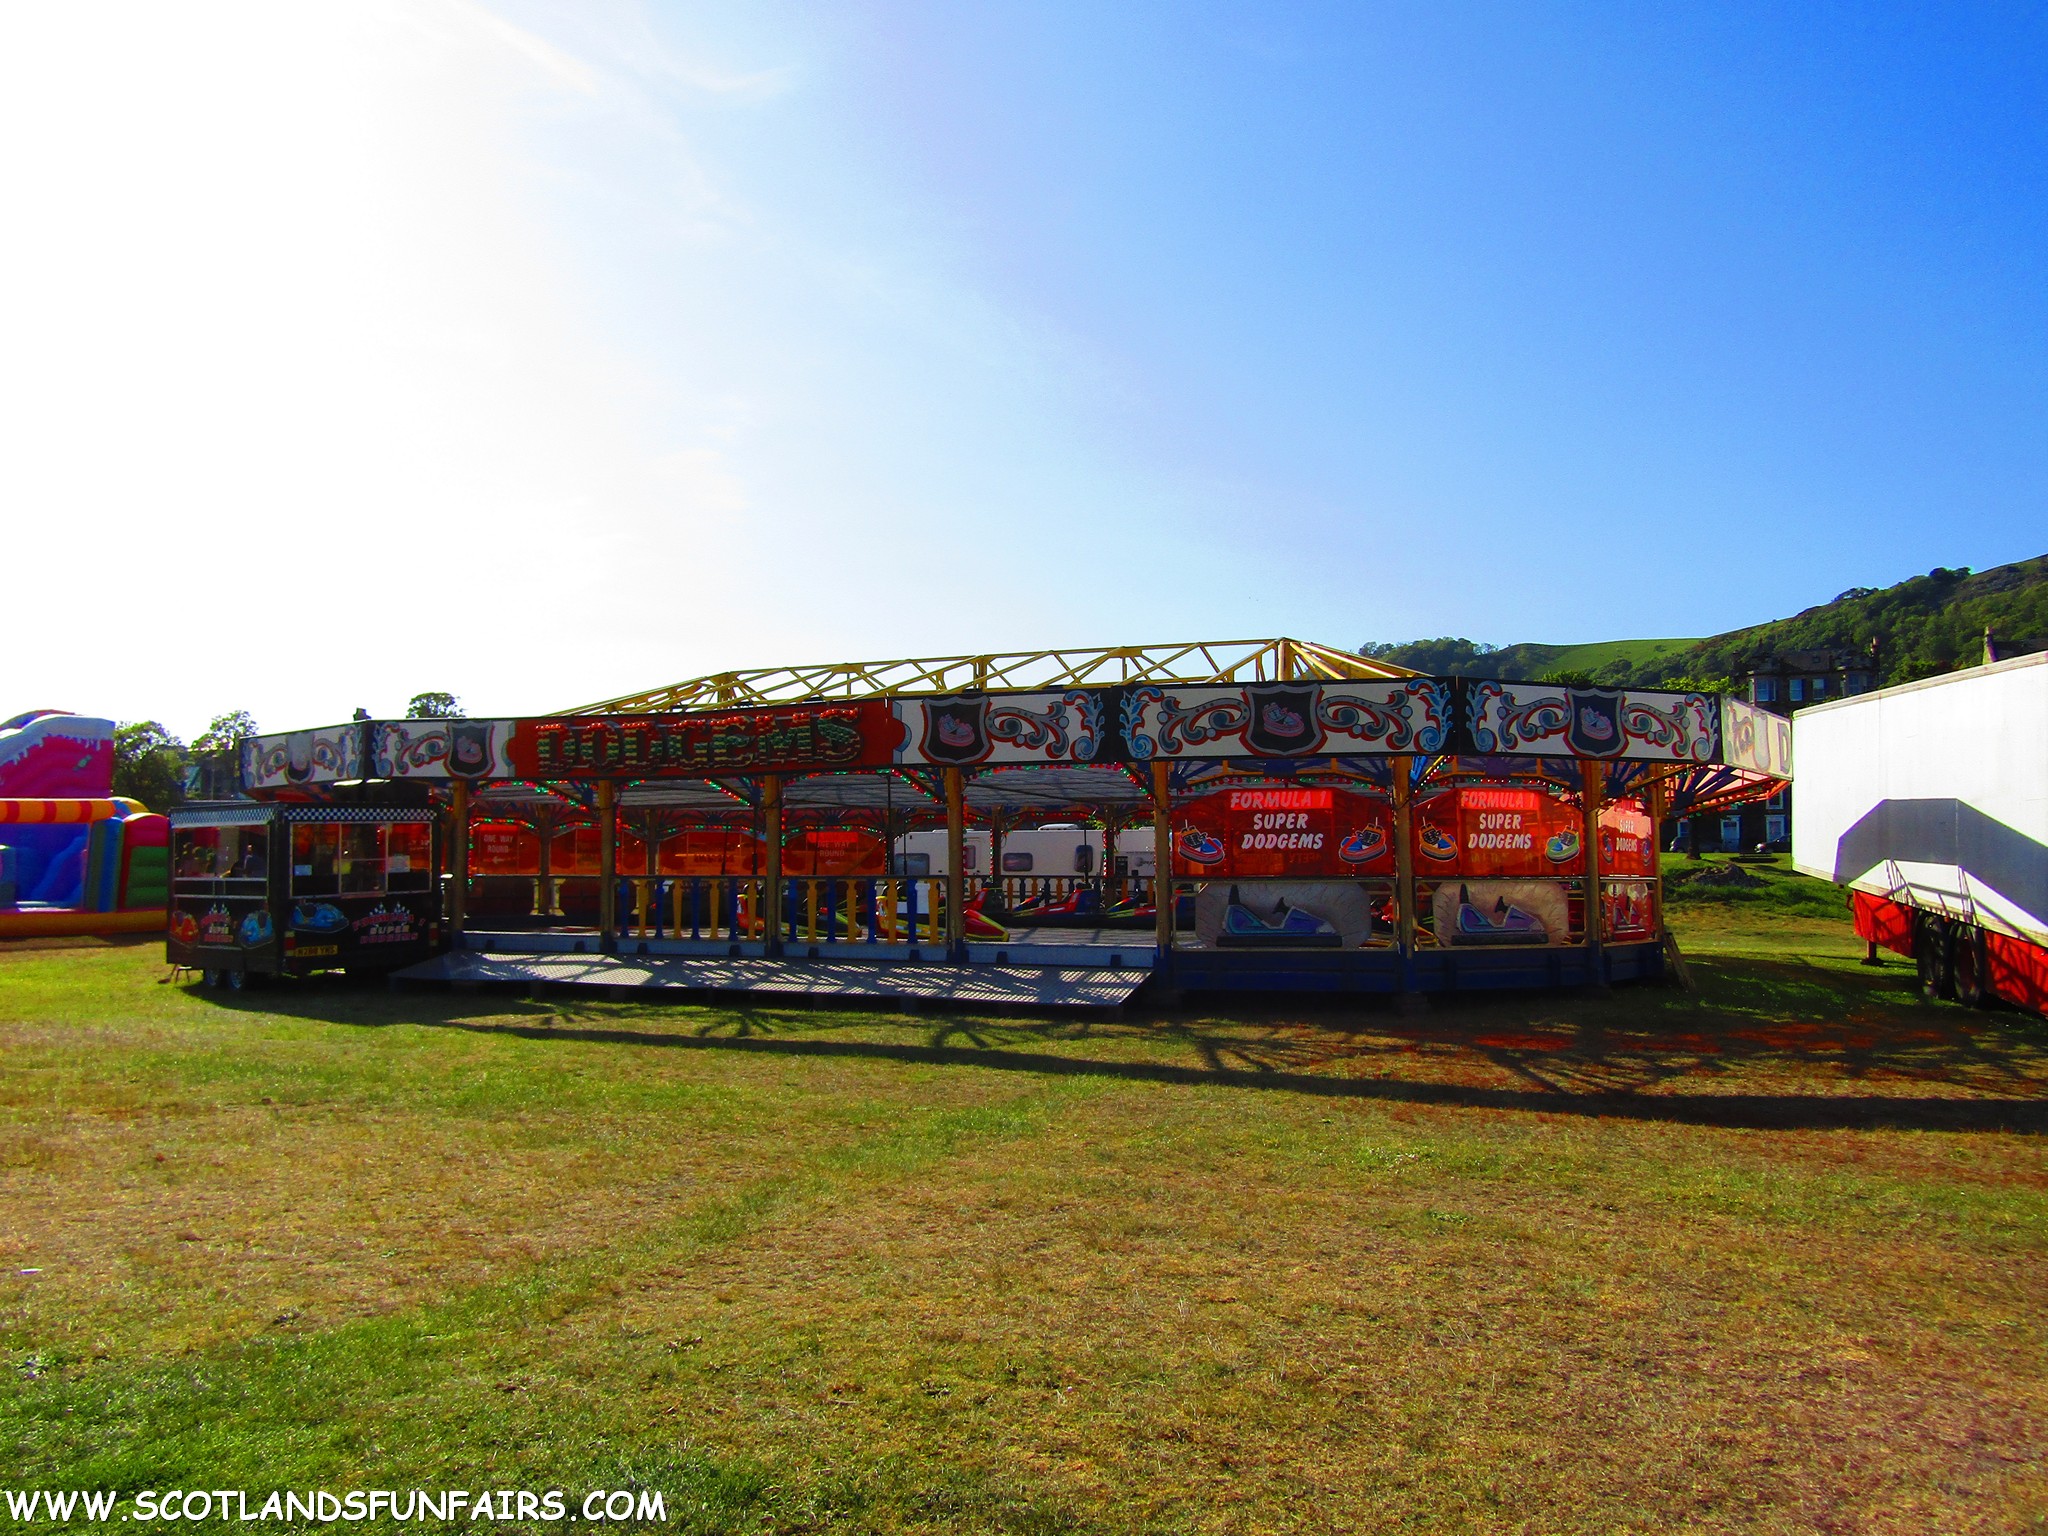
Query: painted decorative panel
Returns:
{"type": "Point", "coordinates": [442, 749]}
{"type": "Point", "coordinates": [1546, 720]}
{"type": "Point", "coordinates": [1756, 739]}
{"type": "Point", "coordinates": [1286, 720]}
{"type": "Point", "coordinates": [319, 756]}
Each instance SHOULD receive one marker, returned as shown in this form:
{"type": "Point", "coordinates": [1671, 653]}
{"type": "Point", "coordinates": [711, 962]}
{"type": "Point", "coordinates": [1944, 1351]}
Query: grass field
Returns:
{"type": "Point", "coordinates": [1767, 1258]}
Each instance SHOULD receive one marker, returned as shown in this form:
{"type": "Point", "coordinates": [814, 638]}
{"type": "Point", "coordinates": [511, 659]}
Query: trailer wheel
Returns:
{"type": "Point", "coordinates": [1931, 956]}
{"type": "Point", "coordinates": [237, 980]}
{"type": "Point", "coordinates": [1970, 972]}
{"type": "Point", "coordinates": [209, 978]}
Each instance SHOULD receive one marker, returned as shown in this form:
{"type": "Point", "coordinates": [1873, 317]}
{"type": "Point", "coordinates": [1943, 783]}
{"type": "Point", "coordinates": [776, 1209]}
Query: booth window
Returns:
{"type": "Point", "coordinates": [220, 853]}
{"type": "Point", "coordinates": [360, 864]}
{"type": "Point", "coordinates": [409, 856]}
{"type": "Point", "coordinates": [313, 856]}
{"type": "Point", "coordinates": [195, 853]}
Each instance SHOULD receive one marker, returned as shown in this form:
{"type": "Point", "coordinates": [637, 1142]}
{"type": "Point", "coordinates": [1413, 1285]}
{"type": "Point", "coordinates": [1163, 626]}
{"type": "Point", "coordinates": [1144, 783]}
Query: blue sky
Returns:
{"type": "Point", "coordinates": [555, 350]}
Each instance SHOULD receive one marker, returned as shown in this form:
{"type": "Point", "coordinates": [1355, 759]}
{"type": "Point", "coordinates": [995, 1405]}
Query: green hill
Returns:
{"type": "Point", "coordinates": [1451, 657]}
{"type": "Point", "coordinates": [1922, 626]}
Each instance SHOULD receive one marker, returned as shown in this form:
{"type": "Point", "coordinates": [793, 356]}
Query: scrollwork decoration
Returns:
{"type": "Point", "coordinates": [1178, 728]}
{"type": "Point", "coordinates": [1685, 729]}
{"type": "Point", "coordinates": [1499, 725]}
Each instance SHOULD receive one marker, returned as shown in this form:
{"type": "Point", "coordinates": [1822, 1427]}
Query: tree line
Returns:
{"type": "Point", "coordinates": [1920, 627]}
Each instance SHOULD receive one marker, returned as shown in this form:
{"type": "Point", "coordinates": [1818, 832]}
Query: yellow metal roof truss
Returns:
{"type": "Point", "coordinates": [1195, 662]}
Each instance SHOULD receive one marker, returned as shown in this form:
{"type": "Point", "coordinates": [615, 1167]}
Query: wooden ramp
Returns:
{"type": "Point", "coordinates": [974, 986]}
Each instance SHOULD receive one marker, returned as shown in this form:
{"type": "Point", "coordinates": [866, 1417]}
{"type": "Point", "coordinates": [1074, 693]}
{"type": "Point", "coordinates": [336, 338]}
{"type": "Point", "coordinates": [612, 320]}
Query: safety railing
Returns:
{"type": "Point", "coordinates": [1018, 898]}
{"type": "Point", "coordinates": [815, 909]}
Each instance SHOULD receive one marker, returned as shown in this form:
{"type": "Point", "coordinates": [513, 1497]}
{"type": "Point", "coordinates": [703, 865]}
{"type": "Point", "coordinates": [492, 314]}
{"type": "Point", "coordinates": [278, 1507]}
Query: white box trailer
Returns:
{"type": "Point", "coordinates": [1929, 802]}
{"type": "Point", "coordinates": [1061, 851]}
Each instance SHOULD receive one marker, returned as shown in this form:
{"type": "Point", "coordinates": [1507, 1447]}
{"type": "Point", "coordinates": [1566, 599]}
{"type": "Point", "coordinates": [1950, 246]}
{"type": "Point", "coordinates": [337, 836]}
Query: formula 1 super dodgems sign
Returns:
{"type": "Point", "coordinates": [1131, 724]}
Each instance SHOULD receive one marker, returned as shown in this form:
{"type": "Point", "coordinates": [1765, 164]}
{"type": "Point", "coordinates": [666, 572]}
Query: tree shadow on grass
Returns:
{"type": "Point", "coordinates": [1766, 1043]}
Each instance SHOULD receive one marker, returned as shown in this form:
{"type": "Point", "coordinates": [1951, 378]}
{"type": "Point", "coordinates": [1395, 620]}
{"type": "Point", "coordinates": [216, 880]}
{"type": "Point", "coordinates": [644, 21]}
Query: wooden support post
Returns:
{"type": "Point", "coordinates": [1653, 802]}
{"type": "Point", "coordinates": [1162, 859]}
{"type": "Point", "coordinates": [607, 862]}
{"type": "Point", "coordinates": [1404, 874]}
{"type": "Point", "coordinates": [545, 906]}
{"type": "Point", "coordinates": [458, 859]}
{"type": "Point", "coordinates": [956, 877]}
{"type": "Point", "coordinates": [654, 838]}
{"type": "Point", "coordinates": [995, 860]}
{"type": "Point", "coordinates": [1593, 778]}
{"type": "Point", "coordinates": [771, 819]}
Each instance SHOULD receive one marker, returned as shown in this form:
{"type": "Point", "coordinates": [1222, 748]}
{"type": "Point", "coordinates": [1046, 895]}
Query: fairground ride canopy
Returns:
{"type": "Point", "coordinates": [1049, 730]}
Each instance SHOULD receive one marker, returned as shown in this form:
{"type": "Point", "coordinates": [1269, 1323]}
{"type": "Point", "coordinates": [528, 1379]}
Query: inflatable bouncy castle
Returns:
{"type": "Point", "coordinates": [74, 858]}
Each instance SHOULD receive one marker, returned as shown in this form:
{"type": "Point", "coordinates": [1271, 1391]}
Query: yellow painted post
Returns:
{"type": "Point", "coordinates": [956, 876]}
{"type": "Point", "coordinates": [771, 810]}
{"type": "Point", "coordinates": [1162, 859]}
{"type": "Point", "coordinates": [889, 898]}
{"type": "Point", "coordinates": [458, 859]}
{"type": "Point", "coordinates": [607, 860]}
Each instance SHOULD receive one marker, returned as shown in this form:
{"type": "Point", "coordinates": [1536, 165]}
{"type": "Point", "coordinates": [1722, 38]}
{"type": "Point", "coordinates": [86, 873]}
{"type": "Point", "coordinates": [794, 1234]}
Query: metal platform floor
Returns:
{"type": "Point", "coordinates": [983, 985]}
{"type": "Point", "coordinates": [1078, 948]}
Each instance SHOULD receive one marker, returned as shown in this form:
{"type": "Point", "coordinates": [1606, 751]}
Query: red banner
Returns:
{"type": "Point", "coordinates": [1628, 844]}
{"type": "Point", "coordinates": [503, 848]}
{"type": "Point", "coordinates": [1283, 833]}
{"type": "Point", "coordinates": [803, 738]}
{"type": "Point", "coordinates": [834, 851]}
{"type": "Point", "coordinates": [573, 852]}
{"type": "Point", "coordinates": [1487, 831]}
{"type": "Point", "coordinates": [712, 852]}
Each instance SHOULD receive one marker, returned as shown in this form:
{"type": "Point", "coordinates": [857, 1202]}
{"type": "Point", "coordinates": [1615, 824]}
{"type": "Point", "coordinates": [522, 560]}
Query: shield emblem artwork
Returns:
{"type": "Point", "coordinates": [469, 748]}
{"type": "Point", "coordinates": [955, 731]}
{"type": "Point", "coordinates": [1595, 729]}
{"type": "Point", "coordinates": [1283, 721]}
